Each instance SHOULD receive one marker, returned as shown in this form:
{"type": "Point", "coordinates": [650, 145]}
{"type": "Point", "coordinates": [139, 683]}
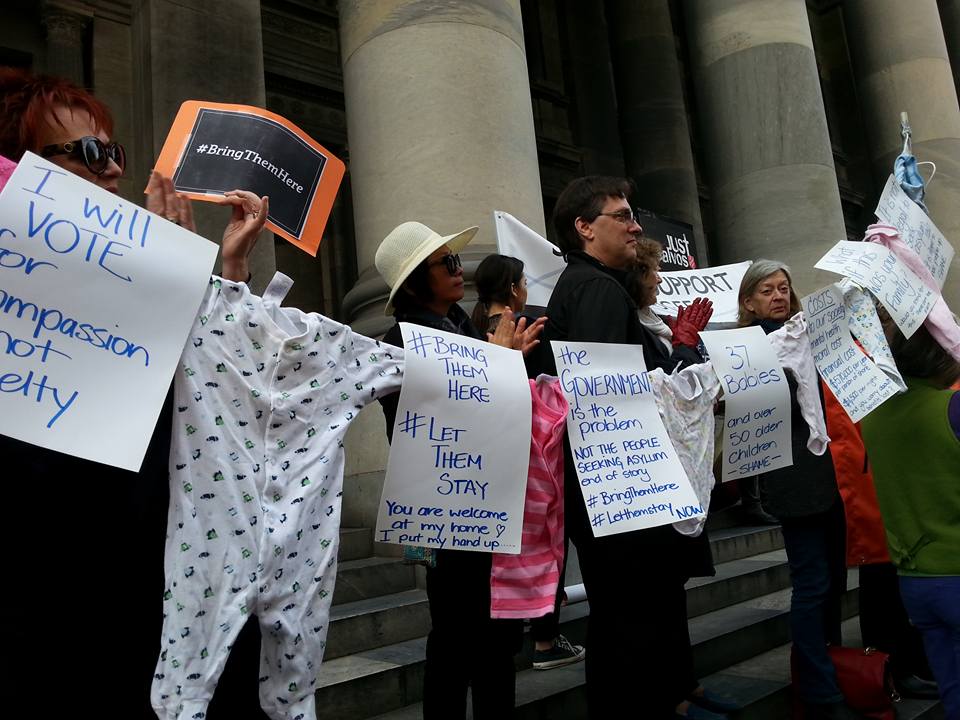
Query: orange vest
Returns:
{"type": "Point", "coordinates": [866, 538]}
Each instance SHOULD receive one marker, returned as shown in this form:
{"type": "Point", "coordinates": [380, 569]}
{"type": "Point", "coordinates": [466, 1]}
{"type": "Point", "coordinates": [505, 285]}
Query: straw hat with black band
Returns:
{"type": "Point", "coordinates": [408, 245]}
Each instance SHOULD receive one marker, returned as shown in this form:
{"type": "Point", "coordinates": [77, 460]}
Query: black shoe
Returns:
{"type": "Point", "coordinates": [714, 702]}
{"type": "Point", "coordinates": [914, 686]}
{"type": "Point", "coordinates": [695, 712]}
{"type": "Point", "coordinates": [830, 711]}
{"type": "Point", "coordinates": [756, 515]}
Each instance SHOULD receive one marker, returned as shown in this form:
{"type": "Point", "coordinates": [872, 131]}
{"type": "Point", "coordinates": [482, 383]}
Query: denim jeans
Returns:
{"type": "Point", "coordinates": [933, 604]}
{"type": "Point", "coordinates": [816, 549]}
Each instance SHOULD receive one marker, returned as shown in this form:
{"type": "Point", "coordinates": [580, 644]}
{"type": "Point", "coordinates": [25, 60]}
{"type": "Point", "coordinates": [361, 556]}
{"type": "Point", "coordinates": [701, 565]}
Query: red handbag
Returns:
{"type": "Point", "coordinates": [864, 677]}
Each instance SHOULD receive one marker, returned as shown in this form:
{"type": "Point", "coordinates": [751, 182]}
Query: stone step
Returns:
{"type": "Point", "coordinates": [372, 577]}
{"type": "Point", "coordinates": [723, 642]}
{"type": "Point", "coordinates": [355, 543]}
{"type": "Point", "coordinates": [384, 620]}
{"type": "Point", "coordinates": [735, 543]}
{"type": "Point", "coordinates": [384, 679]}
{"type": "Point", "coordinates": [761, 685]}
{"type": "Point", "coordinates": [371, 620]}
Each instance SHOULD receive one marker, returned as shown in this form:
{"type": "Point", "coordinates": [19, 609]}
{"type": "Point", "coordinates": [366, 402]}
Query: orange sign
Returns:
{"type": "Point", "coordinates": [215, 147]}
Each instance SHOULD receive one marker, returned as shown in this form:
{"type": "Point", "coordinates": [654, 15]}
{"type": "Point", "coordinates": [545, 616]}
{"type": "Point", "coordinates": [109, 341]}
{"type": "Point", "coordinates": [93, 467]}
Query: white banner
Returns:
{"type": "Point", "coordinates": [757, 434]}
{"type": "Point", "coordinates": [457, 475]}
{"type": "Point", "coordinates": [857, 383]}
{"type": "Point", "coordinates": [628, 469]}
{"type": "Point", "coordinates": [916, 229]}
{"type": "Point", "coordinates": [540, 265]}
{"type": "Point", "coordinates": [906, 297]}
{"type": "Point", "coordinates": [720, 284]}
{"type": "Point", "coordinates": [97, 297]}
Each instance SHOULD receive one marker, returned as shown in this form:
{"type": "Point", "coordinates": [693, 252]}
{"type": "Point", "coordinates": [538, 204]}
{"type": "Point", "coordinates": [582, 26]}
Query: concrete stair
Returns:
{"type": "Point", "coordinates": [373, 667]}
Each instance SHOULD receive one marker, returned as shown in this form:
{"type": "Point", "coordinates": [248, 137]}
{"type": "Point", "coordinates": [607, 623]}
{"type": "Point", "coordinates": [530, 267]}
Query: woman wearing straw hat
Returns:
{"type": "Point", "coordinates": [465, 647]}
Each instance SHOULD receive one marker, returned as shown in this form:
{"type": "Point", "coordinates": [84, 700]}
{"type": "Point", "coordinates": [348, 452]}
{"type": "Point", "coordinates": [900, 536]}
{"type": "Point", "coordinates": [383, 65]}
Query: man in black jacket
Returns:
{"type": "Point", "coordinates": [639, 662]}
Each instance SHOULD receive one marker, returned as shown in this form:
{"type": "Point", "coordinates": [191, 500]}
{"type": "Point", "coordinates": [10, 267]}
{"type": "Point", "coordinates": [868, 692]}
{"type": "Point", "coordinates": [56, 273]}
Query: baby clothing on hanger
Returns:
{"type": "Point", "coordinates": [263, 398]}
{"type": "Point", "coordinates": [792, 345]}
{"type": "Point", "coordinates": [685, 402]}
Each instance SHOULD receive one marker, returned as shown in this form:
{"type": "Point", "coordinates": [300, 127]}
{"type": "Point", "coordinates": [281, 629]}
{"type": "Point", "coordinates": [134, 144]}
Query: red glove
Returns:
{"type": "Point", "coordinates": [690, 321]}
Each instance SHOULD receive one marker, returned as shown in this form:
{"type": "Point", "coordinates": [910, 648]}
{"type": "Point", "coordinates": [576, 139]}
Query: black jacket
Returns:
{"type": "Point", "coordinates": [591, 304]}
{"type": "Point", "coordinates": [809, 486]}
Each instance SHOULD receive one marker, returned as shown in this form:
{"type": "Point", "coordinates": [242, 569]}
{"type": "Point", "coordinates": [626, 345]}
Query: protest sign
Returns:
{"type": "Point", "coordinates": [676, 236]}
{"type": "Point", "coordinates": [916, 229]}
{"type": "Point", "coordinates": [756, 434]}
{"type": "Point", "coordinates": [541, 265]}
{"type": "Point", "coordinates": [857, 383]}
{"type": "Point", "coordinates": [96, 299]}
{"type": "Point", "coordinates": [455, 479]}
{"type": "Point", "coordinates": [906, 297]}
{"type": "Point", "coordinates": [627, 468]}
{"type": "Point", "coordinates": [719, 284]}
{"type": "Point", "coordinates": [215, 147]}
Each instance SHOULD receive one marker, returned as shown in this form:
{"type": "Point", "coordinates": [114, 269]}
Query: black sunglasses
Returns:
{"type": "Point", "coordinates": [451, 260]}
{"type": "Point", "coordinates": [95, 155]}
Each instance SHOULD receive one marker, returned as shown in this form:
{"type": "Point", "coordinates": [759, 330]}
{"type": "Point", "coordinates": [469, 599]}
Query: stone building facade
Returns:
{"type": "Point", "coordinates": [770, 126]}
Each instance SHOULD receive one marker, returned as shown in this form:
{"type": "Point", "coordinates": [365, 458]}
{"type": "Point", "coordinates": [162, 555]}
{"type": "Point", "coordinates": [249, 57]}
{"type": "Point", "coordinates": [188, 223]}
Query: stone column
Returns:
{"type": "Point", "coordinates": [772, 179]}
{"type": "Point", "coordinates": [653, 113]}
{"type": "Point", "coordinates": [901, 64]}
{"type": "Point", "coordinates": [439, 124]}
{"type": "Point", "coordinates": [440, 129]}
{"type": "Point", "coordinates": [65, 25]}
{"type": "Point", "coordinates": [950, 19]}
{"type": "Point", "coordinates": [199, 50]}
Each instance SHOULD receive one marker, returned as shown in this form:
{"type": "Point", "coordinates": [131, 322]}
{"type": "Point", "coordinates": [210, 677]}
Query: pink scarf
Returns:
{"type": "Point", "coordinates": [940, 323]}
{"type": "Point", "coordinates": [6, 170]}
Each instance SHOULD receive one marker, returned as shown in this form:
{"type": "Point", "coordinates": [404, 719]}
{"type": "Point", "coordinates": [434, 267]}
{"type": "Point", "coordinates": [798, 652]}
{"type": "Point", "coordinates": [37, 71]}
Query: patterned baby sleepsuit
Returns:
{"type": "Point", "coordinates": [263, 398]}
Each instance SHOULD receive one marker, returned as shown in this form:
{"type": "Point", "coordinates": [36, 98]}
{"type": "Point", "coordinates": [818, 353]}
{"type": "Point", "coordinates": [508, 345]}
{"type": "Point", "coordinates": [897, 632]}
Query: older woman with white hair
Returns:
{"type": "Point", "coordinates": [805, 498]}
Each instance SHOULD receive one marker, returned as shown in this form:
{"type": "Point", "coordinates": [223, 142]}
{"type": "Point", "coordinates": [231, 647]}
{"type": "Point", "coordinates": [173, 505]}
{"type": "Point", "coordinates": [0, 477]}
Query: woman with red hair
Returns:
{"type": "Point", "coordinates": [83, 541]}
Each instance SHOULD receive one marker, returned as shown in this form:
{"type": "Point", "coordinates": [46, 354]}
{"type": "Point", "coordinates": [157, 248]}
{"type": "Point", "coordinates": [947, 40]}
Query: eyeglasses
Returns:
{"type": "Point", "coordinates": [95, 154]}
{"type": "Point", "coordinates": [450, 260]}
{"type": "Point", "coordinates": [626, 216]}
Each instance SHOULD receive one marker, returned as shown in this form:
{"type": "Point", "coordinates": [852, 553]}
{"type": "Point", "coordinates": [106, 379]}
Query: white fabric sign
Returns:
{"type": "Point", "coordinates": [540, 265]}
{"type": "Point", "coordinates": [628, 469]}
{"type": "Point", "coordinates": [457, 475]}
{"type": "Point", "coordinates": [916, 228]}
{"type": "Point", "coordinates": [906, 297]}
{"type": "Point", "coordinates": [720, 284]}
{"type": "Point", "coordinates": [97, 297]}
{"type": "Point", "coordinates": [857, 383]}
{"type": "Point", "coordinates": [757, 434]}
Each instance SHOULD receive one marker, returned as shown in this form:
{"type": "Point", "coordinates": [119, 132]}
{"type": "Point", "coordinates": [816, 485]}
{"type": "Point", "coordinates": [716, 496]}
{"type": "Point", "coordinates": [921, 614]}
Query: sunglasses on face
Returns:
{"type": "Point", "coordinates": [95, 155]}
{"type": "Point", "coordinates": [452, 262]}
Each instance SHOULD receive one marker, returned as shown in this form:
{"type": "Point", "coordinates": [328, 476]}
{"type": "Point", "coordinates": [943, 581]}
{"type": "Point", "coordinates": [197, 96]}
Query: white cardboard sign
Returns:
{"type": "Point", "coordinates": [628, 469]}
{"type": "Point", "coordinates": [906, 297]}
{"type": "Point", "coordinates": [541, 266]}
{"type": "Point", "coordinates": [720, 284]}
{"type": "Point", "coordinates": [96, 299]}
{"type": "Point", "coordinates": [916, 229]}
{"type": "Point", "coordinates": [757, 433]}
{"type": "Point", "coordinates": [858, 384]}
{"type": "Point", "coordinates": [457, 475]}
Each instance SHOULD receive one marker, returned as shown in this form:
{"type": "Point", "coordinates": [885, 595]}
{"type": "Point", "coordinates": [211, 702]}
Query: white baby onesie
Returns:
{"type": "Point", "coordinates": [866, 327]}
{"type": "Point", "coordinates": [685, 401]}
{"type": "Point", "coordinates": [263, 398]}
{"type": "Point", "coordinates": [792, 345]}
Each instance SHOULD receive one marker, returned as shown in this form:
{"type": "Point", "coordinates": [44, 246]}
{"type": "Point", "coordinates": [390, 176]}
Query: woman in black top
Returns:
{"type": "Point", "coordinates": [465, 647]}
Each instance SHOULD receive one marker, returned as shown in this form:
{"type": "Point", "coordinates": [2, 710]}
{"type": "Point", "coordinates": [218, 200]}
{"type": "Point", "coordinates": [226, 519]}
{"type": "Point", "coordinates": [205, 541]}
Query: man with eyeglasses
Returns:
{"type": "Point", "coordinates": [639, 661]}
